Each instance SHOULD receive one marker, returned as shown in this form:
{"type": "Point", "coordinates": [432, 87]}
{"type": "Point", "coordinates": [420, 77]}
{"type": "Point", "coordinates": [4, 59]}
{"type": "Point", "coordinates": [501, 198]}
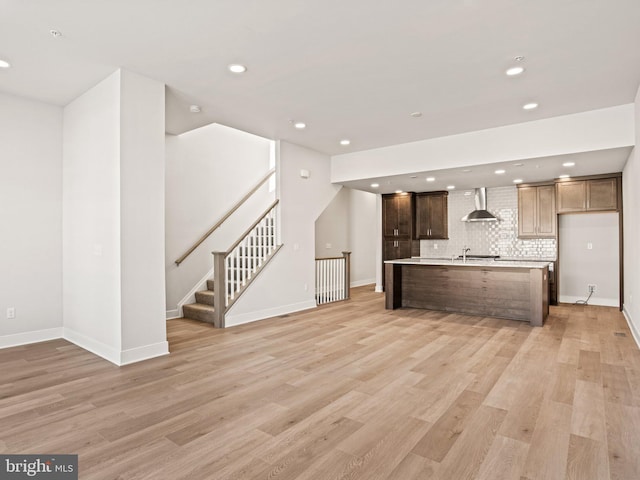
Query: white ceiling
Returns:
{"type": "Point", "coordinates": [348, 68]}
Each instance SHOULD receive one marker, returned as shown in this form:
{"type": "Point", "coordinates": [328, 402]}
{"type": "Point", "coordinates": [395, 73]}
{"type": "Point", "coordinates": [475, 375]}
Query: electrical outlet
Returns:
{"type": "Point", "coordinates": [11, 313]}
{"type": "Point", "coordinates": [435, 246]}
{"type": "Point", "coordinates": [327, 246]}
{"type": "Point", "coordinates": [589, 246]}
{"type": "Point", "coordinates": [592, 288]}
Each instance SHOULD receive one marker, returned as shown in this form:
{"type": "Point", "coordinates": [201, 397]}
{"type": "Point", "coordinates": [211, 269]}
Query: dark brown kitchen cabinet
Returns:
{"type": "Point", "coordinates": [537, 211]}
{"type": "Point", "coordinates": [398, 222]}
{"type": "Point", "coordinates": [591, 195]}
{"type": "Point", "coordinates": [432, 220]}
{"type": "Point", "coordinates": [397, 215]}
{"type": "Point", "coordinates": [394, 249]}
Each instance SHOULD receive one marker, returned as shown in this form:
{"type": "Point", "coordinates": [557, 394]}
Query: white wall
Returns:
{"type": "Point", "coordinates": [631, 204]}
{"type": "Point", "coordinates": [142, 161]}
{"type": "Point", "coordinates": [332, 226]}
{"type": "Point", "coordinates": [581, 132]}
{"type": "Point", "coordinates": [30, 220]}
{"type": "Point", "coordinates": [581, 266]}
{"type": "Point", "coordinates": [91, 219]}
{"type": "Point", "coordinates": [349, 224]}
{"type": "Point", "coordinates": [113, 211]}
{"type": "Point", "coordinates": [287, 283]}
{"type": "Point", "coordinates": [208, 170]}
{"type": "Point", "coordinates": [363, 239]}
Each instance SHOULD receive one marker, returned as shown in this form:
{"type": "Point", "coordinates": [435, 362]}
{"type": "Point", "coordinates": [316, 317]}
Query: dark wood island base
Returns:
{"type": "Point", "coordinates": [505, 291]}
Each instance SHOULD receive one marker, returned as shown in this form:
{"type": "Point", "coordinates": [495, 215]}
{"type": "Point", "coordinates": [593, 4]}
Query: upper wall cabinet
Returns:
{"type": "Point", "coordinates": [432, 220]}
{"type": "Point", "coordinates": [537, 211]}
{"type": "Point", "coordinates": [397, 215]}
{"type": "Point", "coordinates": [600, 194]}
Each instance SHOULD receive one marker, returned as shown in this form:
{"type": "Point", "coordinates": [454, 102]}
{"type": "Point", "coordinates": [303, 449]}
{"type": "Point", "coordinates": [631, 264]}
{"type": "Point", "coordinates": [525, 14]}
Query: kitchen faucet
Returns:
{"type": "Point", "coordinates": [465, 249]}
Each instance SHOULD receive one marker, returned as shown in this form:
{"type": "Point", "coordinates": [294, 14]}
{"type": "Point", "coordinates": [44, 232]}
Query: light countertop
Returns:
{"type": "Point", "coordinates": [471, 262]}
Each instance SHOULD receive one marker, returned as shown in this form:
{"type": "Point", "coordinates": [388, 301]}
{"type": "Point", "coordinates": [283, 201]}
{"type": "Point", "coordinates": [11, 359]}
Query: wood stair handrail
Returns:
{"type": "Point", "coordinates": [248, 230]}
{"type": "Point", "coordinates": [225, 217]}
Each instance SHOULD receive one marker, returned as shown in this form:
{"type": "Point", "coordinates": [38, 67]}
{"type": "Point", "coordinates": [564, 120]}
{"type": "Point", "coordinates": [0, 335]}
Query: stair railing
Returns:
{"type": "Point", "coordinates": [236, 268]}
{"type": "Point", "coordinates": [333, 279]}
{"type": "Point", "coordinates": [230, 212]}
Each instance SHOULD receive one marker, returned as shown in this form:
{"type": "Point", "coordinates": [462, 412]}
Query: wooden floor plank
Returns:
{"type": "Point", "coordinates": [345, 391]}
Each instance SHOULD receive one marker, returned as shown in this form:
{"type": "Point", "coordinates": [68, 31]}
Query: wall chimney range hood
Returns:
{"type": "Point", "coordinates": [480, 214]}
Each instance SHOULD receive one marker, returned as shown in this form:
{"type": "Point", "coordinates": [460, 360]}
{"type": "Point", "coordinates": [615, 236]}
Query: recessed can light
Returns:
{"type": "Point", "coordinates": [195, 109]}
{"type": "Point", "coordinates": [450, 187]}
{"type": "Point", "coordinates": [345, 142]}
{"type": "Point", "coordinates": [500, 172]}
{"type": "Point", "coordinates": [237, 68]}
{"type": "Point", "coordinates": [375, 185]}
{"type": "Point", "coordinates": [518, 164]}
{"type": "Point", "coordinates": [564, 176]}
{"type": "Point", "coordinates": [416, 114]}
{"type": "Point", "coordinates": [413, 176]}
{"type": "Point", "coordinates": [530, 106]}
{"type": "Point", "coordinates": [466, 170]}
{"type": "Point", "coordinates": [431, 179]}
{"type": "Point", "coordinates": [568, 164]}
{"type": "Point", "coordinates": [299, 125]}
{"type": "Point", "coordinates": [517, 180]}
{"type": "Point", "coordinates": [4, 64]}
{"type": "Point", "coordinates": [513, 71]}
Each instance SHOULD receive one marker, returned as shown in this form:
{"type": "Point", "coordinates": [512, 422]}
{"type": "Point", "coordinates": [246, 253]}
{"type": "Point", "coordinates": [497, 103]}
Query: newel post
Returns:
{"type": "Point", "coordinates": [219, 289]}
{"type": "Point", "coordinates": [347, 274]}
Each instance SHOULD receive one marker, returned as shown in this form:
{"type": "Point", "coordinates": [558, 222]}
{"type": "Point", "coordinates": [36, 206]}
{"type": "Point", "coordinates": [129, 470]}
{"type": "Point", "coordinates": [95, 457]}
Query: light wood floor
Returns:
{"type": "Point", "coordinates": [346, 391]}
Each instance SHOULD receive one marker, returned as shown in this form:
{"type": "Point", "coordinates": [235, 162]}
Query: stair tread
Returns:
{"type": "Point", "coordinates": [199, 306]}
{"type": "Point", "coordinates": [208, 293]}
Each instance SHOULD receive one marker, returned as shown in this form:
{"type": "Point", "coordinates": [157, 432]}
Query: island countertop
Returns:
{"type": "Point", "coordinates": [514, 290]}
{"type": "Point", "coordinates": [471, 262]}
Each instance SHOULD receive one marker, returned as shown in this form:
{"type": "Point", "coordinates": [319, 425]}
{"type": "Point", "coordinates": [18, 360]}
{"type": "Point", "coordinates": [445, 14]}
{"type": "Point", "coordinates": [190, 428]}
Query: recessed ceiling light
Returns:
{"type": "Point", "coordinates": [299, 125]}
{"type": "Point", "coordinates": [466, 170]}
{"type": "Point", "coordinates": [237, 68]}
{"type": "Point", "coordinates": [518, 164]}
{"type": "Point", "coordinates": [398, 191]}
{"type": "Point", "coordinates": [500, 172]}
{"type": "Point", "coordinates": [519, 58]}
{"type": "Point", "coordinates": [413, 176]}
{"type": "Point", "coordinates": [195, 109]}
{"type": "Point", "coordinates": [513, 71]}
{"type": "Point", "coordinates": [568, 164]}
{"type": "Point", "coordinates": [517, 180]}
{"type": "Point", "coordinates": [345, 142]}
{"type": "Point", "coordinates": [55, 33]}
{"type": "Point", "coordinates": [450, 187]}
{"type": "Point", "coordinates": [530, 106]}
{"type": "Point", "coordinates": [564, 176]}
{"type": "Point", "coordinates": [416, 114]}
{"type": "Point", "coordinates": [431, 179]}
{"type": "Point", "coordinates": [375, 185]}
{"type": "Point", "coordinates": [4, 64]}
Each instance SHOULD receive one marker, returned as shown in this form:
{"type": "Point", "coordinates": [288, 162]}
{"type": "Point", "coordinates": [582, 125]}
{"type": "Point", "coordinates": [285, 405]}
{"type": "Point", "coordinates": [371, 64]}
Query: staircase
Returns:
{"type": "Point", "coordinates": [203, 309]}
{"type": "Point", "coordinates": [235, 269]}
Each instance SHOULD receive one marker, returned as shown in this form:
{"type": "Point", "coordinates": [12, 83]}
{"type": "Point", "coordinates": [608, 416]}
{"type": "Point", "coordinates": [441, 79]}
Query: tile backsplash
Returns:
{"type": "Point", "coordinates": [487, 238]}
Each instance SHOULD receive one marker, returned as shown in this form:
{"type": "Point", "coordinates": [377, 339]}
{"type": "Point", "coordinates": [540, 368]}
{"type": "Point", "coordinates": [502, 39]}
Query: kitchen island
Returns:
{"type": "Point", "coordinates": [505, 289]}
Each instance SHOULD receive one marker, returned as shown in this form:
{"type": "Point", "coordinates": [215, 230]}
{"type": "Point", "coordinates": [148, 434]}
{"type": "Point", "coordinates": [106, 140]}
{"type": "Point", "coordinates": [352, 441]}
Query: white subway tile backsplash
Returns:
{"type": "Point", "coordinates": [487, 238]}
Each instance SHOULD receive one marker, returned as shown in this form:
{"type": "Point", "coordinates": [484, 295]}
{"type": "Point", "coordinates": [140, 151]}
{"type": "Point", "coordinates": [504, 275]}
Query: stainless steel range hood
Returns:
{"type": "Point", "coordinates": [480, 214]}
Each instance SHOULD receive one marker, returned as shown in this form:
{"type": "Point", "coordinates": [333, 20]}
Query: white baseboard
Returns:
{"type": "Point", "coordinates": [171, 314]}
{"type": "Point", "coordinates": [232, 320]}
{"type": "Point", "coordinates": [632, 326]}
{"type": "Point", "coordinates": [360, 283]}
{"type": "Point", "coordinates": [379, 289]}
{"type": "Point", "coordinates": [17, 339]}
{"type": "Point", "coordinates": [603, 302]}
{"type": "Point", "coordinates": [146, 352]}
{"type": "Point", "coordinates": [93, 346]}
